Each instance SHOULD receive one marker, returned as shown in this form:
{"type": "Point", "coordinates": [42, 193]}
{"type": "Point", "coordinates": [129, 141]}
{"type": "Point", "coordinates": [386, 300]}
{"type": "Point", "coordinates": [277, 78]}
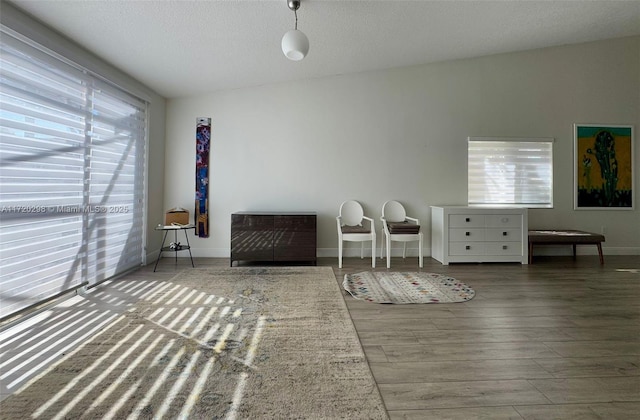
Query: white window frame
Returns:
{"type": "Point", "coordinates": [510, 171]}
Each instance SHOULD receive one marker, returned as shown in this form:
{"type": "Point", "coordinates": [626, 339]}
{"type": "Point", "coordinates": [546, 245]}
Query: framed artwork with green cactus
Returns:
{"type": "Point", "coordinates": [603, 167]}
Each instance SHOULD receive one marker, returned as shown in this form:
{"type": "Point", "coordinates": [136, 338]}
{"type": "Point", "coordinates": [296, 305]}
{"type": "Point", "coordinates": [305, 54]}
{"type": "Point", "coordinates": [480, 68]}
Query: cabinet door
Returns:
{"type": "Point", "coordinates": [294, 238]}
{"type": "Point", "coordinates": [251, 237]}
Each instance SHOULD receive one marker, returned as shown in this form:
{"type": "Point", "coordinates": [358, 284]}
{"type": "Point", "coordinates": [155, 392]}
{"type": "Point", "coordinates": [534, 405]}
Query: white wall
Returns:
{"type": "Point", "coordinates": [401, 134]}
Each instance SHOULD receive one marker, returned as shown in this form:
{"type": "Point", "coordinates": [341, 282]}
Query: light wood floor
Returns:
{"type": "Point", "coordinates": [556, 339]}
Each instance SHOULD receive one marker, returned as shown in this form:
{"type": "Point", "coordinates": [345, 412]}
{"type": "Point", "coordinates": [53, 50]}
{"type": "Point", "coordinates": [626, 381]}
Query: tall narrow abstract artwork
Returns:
{"type": "Point", "coordinates": [203, 142]}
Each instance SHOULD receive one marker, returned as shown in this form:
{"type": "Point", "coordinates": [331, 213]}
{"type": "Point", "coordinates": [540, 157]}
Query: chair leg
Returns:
{"type": "Point", "coordinates": [361, 250]}
{"type": "Point", "coordinates": [382, 234]}
{"type": "Point", "coordinates": [339, 254]}
{"type": "Point", "coordinates": [420, 251]}
{"type": "Point", "coordinates": [373, 253]}
{"type": "Point", "coordinates": [388, 252]}
{"type": "Point", "coordinates": [404, 250]}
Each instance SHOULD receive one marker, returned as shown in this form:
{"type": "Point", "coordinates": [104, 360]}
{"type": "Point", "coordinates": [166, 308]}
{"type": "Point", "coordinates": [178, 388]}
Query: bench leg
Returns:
{"type": "Point", "coordinates": [599, 244]}
{"type": "Point", "coordinates": [574, 251]}
{"type": "Point", "coordinates": [530, 252]}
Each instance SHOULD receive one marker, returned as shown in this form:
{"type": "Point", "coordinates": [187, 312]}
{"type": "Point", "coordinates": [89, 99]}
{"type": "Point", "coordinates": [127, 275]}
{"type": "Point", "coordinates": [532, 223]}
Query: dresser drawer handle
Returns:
{"type": "Point", "coordinates": [468, 219]}
{"type": "Point", "coordinates": [504, 247]}
{"type": "Point", "coordinates": [467, 233]}
{"type": "Point", "coordinates": [467, 247]}
{"type": "Point", "coordinates": [504, 233]}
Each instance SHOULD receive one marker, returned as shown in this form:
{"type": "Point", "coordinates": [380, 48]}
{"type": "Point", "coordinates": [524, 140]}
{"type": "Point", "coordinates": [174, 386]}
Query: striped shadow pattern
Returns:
{"type": "Point", "coordinates": [211, 343]}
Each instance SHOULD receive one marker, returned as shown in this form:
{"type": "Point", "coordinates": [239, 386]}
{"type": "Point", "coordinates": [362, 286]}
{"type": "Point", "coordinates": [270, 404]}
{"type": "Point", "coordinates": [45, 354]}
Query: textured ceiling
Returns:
{"type": "Point", "coordinates": [181, 48]}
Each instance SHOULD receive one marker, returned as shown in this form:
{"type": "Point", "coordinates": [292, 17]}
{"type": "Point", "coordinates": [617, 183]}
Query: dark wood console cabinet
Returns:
{"type": "Point", "coordinates": [273, 236]}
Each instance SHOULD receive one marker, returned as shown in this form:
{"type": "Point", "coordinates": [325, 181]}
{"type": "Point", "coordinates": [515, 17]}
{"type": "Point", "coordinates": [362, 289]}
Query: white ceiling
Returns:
{"type": "Point", "coordinates": [181, 48]}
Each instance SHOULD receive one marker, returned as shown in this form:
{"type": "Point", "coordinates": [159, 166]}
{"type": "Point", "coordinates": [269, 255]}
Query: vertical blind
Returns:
{"type": "Point", "coordinates": [72, 154]}
{"type": "Point", "coordinates": [510, 171]}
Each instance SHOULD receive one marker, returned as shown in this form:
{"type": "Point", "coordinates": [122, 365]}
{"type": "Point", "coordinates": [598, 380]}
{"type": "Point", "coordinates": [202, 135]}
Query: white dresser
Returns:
{"type": "Point", "coordinates": [475, 234]}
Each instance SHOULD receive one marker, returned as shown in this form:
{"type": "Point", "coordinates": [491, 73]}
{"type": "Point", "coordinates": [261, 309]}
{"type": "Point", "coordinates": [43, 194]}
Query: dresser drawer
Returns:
{"type": "Point", "coordinates": [503, 248]}
{"type": "Point", "coordinates": [506, 234]}
{"type": "Point", "coordinates": [467, 235]}
{"type": "Point", "coordinates": [466, 220]}
{"type": "Point", "coordinates": [503, 220]}
{"type": "Point", "coordinates": [466, 248]}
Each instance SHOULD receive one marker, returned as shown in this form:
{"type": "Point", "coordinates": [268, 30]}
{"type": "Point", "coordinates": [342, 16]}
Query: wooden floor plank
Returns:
{"type": "Point", "coordinates": [595, 348]}
{"type": "Point", "coordinates": [475, 413]}
{"type": "Point", "coordinates": [564, 367]}
{"type": "Point", "coordinates": [423, 395]}
{"type": "Point", "coordinates": [608, 411]}
{"type": "Point", "coordinates": [566, 412]}
{"type": "Point", "coordinates": [482, 370]}
{"type": "Point", "coordinates": [586, 390]}
{"type": "Point", "coordinates": [498, 335]}
{"type": "Point", "coordinates": [467, 351]}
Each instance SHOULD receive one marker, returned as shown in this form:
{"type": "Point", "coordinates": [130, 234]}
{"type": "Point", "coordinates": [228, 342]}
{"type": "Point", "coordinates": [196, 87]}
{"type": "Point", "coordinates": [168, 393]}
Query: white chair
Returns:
{"type": "Point", "coordinates": [397, 226]}
{"type": "Point", "coordinates": [350, 229]}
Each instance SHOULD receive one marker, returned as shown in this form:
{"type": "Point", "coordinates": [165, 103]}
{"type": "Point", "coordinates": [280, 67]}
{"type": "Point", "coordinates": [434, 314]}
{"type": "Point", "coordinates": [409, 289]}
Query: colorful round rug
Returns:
{"type": "Point", "coordinates": [382, 287]}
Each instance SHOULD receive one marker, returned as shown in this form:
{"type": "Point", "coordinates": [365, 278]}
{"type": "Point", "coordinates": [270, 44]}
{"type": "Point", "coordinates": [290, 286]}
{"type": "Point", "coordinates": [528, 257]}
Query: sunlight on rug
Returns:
{"type": "Point", "coordinates": [382, 287]}
{"type": "Point", "coordinates": [214, 343]}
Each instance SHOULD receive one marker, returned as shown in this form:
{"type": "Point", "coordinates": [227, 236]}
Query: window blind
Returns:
{"type": "Point", "coordinates": [510, 171]}
{"type": "Point", "coordinates": [72, 153]}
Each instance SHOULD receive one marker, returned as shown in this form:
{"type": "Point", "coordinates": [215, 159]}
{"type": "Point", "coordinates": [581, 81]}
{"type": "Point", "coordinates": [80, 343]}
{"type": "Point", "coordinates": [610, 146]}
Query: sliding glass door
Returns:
{"type": "Point", "coordinates": [72, 165]}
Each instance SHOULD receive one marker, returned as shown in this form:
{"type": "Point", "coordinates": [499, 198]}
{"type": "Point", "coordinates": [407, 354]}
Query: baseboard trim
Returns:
{"type": "Point", "coordinates": [350, 252]}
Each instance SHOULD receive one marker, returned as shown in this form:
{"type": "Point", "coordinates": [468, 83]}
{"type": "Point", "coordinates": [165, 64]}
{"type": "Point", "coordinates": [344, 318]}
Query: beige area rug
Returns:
{"type": "Point", "coordinates": [245, 343]}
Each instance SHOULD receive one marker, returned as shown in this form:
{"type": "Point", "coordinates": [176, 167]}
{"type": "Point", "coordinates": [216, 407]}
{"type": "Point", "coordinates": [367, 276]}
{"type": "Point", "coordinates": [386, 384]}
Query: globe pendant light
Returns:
{"type": "Point", "coordinates": [295, 44]}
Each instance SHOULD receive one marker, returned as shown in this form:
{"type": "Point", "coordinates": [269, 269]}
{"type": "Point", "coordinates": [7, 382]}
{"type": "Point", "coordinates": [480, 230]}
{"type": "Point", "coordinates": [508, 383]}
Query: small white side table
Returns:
{"type": "Point", "coordinates": [175, 229]}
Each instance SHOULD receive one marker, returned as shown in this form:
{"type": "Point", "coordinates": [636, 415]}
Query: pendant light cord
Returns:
{"type": "Point", "coordinates": [295, 12]}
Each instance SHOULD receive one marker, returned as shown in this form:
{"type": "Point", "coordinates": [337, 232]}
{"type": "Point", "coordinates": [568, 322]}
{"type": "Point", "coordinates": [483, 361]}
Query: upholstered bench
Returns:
{"type": "Point", "coordinates": [568, 237]}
